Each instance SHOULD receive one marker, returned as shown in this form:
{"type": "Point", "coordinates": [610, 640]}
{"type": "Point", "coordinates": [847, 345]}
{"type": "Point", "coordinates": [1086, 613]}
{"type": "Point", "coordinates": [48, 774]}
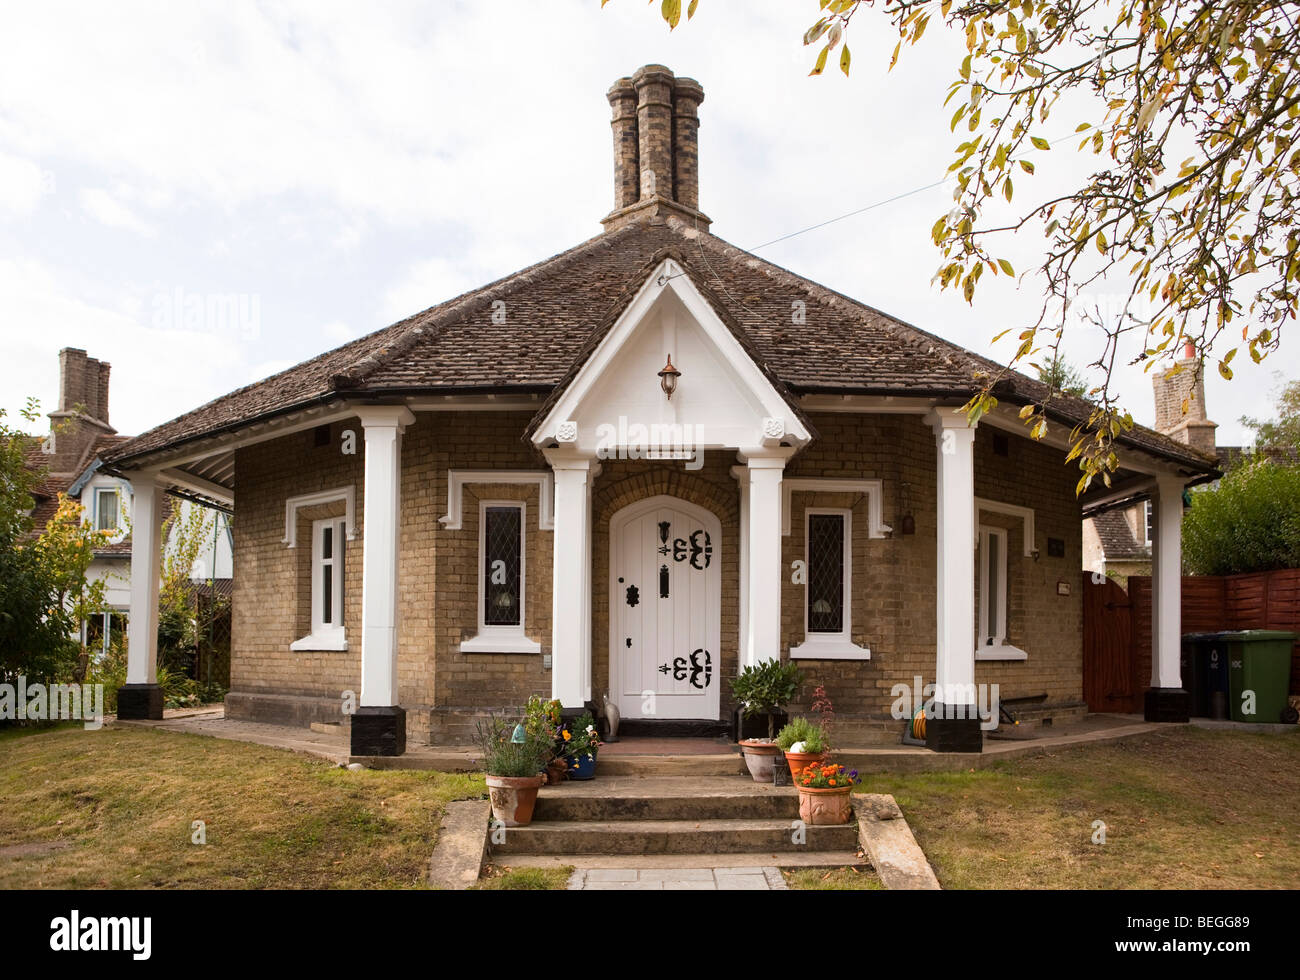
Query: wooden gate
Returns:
{"type": "Point", "coordinates": [1110, 681]}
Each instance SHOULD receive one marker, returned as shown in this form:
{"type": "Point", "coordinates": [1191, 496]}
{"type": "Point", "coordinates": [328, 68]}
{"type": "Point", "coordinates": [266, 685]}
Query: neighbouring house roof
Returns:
{"type": "Point", "coordinates": [1231, 456]}
{"type": "Point", "coordinates": [557, 309]}
{"type": "Point", "coordinates": [47, 490]}
{"type": "Point", "coordinates": [1117, 539]}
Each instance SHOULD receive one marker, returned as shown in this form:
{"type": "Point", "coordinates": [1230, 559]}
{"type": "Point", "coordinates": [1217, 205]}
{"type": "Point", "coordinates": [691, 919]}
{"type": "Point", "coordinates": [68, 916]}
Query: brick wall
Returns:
{"type": "Point", "coordinates": [443, 690]}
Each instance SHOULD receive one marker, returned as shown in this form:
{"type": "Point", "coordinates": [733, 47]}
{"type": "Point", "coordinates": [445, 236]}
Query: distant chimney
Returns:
{"type": "Point", "coordinates": [82, 414]}
{"type": "Point", "coordinates": [1185, 382]}
{"type": "Point", "coordinates": [656, 148]}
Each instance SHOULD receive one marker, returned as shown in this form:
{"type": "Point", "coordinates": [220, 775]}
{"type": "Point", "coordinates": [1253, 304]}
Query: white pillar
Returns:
{"type": "Point", "coordinates": [383, 425]}
{"type": "Point", "coordinates": [954, 674]}
{"type": "Point", "coordinates": [1167, 584]}
{"type": "Point", "coordinates": [763, 560]}
{"type": "Point", "coordinates": [146, 574]}
{"type": "Point", "coordinates": [741, 474]}
{"type": "Point", "coordinates": [571, 578]}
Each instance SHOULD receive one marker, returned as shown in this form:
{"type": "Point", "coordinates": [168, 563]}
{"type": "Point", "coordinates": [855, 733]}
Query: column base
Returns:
{"type": "Point", "coordinates": [1167, 704]}
{"type": "Point", "coordinates": [953, 728]}
{"type": "Point", "coordinates": [140, 702]}
{"type": "Point", "coordinates": [379, 731]}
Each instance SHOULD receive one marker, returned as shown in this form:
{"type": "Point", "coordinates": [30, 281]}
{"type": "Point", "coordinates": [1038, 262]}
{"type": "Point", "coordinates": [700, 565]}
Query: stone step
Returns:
{"type": "Point", "coordinates": [731, 836]}
{"type": "Point", "coordinates": [720, 764]}
{"type": "Point", "coordinates": [740, 860]}
{"type": "Point", "coordinates": [557, 805]}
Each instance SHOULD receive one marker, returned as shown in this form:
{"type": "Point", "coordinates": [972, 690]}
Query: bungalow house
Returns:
{"type": "Point", "coordinates": [69, 461]}
{"type": "Point", "coordinates": [634, 468]}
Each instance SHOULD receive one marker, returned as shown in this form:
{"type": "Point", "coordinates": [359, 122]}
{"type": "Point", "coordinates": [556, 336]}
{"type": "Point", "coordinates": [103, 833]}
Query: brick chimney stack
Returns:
{"type": "Point", "coordinates": [656, 148]}
{"type": "Point", "coordinates": [1184, 382]}
{"type": "Point", "coordinates": [82, 414]}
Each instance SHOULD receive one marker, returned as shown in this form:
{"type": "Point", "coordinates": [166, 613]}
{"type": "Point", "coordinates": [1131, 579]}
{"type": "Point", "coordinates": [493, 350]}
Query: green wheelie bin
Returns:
{"type": "Point", "coordinates": [1259, 674]}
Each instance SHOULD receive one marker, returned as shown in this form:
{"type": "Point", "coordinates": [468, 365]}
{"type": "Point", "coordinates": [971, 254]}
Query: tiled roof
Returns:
{"type": "Point", "coordinates": [1116, 536]}
{"type": "Point", "coordinates": [554, 308]}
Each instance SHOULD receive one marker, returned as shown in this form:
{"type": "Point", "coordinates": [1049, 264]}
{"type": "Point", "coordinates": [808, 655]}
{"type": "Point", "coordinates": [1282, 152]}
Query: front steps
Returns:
{"type": "Point", "coordinates": [710, 821]}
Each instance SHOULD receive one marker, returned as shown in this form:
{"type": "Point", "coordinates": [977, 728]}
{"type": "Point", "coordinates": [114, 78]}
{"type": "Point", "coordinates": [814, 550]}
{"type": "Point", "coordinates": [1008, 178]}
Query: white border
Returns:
{"type": "Point", "coordinates": [457, 479]}
{"type": "Point", "coordinates": [873, 489]}
{"type": "Point", "coordinates": [291, 506]}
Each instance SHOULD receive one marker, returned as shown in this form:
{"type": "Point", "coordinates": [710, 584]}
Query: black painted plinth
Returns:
{"type": "Point", "coordinates": [953, 728]}
{"type": "Point", "coordinates": [140, 702]}
{"type": "Point", "coordinates": [1169, 704]}
{"type": "Point", "coordinates": [379, 731]}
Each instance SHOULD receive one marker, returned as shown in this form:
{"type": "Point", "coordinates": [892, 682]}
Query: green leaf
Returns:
{"type": "Point", "coordinates": [1040, 143]}
{"type": "Point", "coordinates": [672, 11]}
{"type": "Point", "coordinates": [845, 58]}
{"type": "Point", "coordinates": [1006, 267]}
{"type": "Point", "coordinates": [1026, 166]}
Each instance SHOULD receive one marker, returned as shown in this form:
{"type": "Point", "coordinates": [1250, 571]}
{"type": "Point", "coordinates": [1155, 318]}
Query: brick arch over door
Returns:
{"type": "Point", "coordinates": [624, 482]}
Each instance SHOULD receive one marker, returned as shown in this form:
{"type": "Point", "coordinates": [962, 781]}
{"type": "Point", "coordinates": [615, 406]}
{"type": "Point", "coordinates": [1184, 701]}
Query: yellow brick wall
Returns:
{"type": "Point", "coordinates": [443, 689]}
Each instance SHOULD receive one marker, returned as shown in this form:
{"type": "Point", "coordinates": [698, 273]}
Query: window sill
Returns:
{"type": "Point", "coordinates": [1000, 652]}
{"type": "Point", "coordinates": [815, 648]}
{"type": "Point", "coordinates": [334, 640]}
{"type": "Point", "coordinates": [500, 643]}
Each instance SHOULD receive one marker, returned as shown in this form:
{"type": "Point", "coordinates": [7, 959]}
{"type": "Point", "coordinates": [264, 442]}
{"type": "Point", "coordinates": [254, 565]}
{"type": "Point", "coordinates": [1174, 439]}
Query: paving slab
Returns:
{"type": "Point", "coordinates": [888, 842]}
{"type": "Point", "coordinates": [462, 845]}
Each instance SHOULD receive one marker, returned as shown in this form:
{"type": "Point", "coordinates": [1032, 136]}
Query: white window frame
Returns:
{"type": "Point", "coordinates": [495, 638]}
{"type": "Point", "coordinates": [830, 646]}
{"type": "Point", "coordinates": [331, 635]}
{"type": "Point", "coordinates": [117, 507]}
{"type": "Point", "coordinates": [1147, 521]}
{"type": "Point", "coordinates": [999, 649]}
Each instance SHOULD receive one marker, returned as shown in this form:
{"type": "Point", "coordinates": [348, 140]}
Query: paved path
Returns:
{"type": "Point", "coordinates": [677, 879]}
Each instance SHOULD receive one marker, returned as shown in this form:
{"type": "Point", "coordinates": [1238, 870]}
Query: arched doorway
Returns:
{"type": "Point", "coordinates": [665, 599]}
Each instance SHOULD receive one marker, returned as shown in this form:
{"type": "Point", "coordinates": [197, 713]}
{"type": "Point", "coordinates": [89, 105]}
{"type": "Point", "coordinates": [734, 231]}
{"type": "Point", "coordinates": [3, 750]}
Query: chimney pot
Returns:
{"type": "Point", "coordinates": [655, 120]}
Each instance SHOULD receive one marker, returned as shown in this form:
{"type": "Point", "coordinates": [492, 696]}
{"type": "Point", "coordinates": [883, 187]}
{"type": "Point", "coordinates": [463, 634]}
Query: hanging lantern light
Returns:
{"type": "Point", "coordinates": [668, 378]}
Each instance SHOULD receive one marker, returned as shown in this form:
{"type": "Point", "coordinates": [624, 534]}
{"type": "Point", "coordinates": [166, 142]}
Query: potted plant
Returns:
{"type": "Point", "coordinates": [764, 689]}
{"type": "Point", "coordinates": [542, 719]}
{"type": "Point", "coordinates": [803, 742]}
{"type": "Point", "coordinates": [513, 759]}
{"type": "Point", "coordinates": [581, 743]}
{"type": "Point", "coordinates": [824, 793]}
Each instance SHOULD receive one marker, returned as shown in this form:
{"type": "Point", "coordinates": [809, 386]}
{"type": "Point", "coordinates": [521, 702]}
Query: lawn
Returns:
{"type": "Point", "coordinates": [1183, 808]}
{"type": "Point", "coordinates": [114, 809]}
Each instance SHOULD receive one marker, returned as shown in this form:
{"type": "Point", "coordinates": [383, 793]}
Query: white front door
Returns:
{"type": "Point", "coordinates": [665, 601]}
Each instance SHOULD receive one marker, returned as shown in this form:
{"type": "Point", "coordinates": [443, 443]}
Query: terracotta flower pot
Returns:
{"type": "Point", "coordinates": [513, 798]}
{"type": "Point", "coordinates": [799, 760]}
{"type": "Point", "coordinates": [555, 771]}
{"type": "Point", "coordinates": [761, 758]}
{"type": "Point", "coordinates": [822, 807]}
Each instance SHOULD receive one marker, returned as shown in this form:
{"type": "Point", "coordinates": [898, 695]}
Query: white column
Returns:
{"type": "Point", "coordinates": [1167, 584]}
{"type": "Point", "coordinates": [763, 606]}
{"type": "Point", "coordinates": [741, 474]}
{"type": "Point", "coordinates": [954, 674]}
{"type": "Point", "coordinates": [383, 425]}
{"type": "Point", "coordinates": [146, 574]}
{"type": "Point", "coordinates": [571, 578]}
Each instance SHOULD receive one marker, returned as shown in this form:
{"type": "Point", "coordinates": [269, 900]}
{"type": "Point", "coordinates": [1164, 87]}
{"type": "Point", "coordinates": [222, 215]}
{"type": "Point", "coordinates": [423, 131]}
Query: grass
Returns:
{"type": "Point", "coordinates": [114, 809]}
{"type": "Point", "coordinates": [836, 879]}
{"type": "Point", "coordinates": [523, 879]}
{"type": "Point", "coordinates": [1184, 808]}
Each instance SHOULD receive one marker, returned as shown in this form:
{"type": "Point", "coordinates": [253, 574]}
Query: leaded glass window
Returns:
{"type": "Point", "coordinates": [825, 573]}
{"type": "Point", "coordinates": [502, 566]}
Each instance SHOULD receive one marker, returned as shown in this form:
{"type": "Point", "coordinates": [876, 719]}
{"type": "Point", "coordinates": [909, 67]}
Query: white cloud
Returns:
{"type": "Point", "coordinates": [107, 210]}
{"type": "Point", "coordinates": [22, 184]}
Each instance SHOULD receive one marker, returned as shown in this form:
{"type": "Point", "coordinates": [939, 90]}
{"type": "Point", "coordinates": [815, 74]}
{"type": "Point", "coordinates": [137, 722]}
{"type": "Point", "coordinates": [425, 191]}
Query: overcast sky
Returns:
{"type": "Point", "coordinates": [310, 172]}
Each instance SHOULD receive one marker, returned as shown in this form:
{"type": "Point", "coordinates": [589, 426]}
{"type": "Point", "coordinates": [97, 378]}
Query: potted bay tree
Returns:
{"type": "Point", "coordinates": [763, 690]}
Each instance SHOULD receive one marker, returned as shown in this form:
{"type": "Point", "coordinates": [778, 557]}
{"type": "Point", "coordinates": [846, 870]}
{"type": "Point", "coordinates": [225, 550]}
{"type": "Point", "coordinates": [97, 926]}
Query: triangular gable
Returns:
{"type": "Point", "coordinates": [724, 398]}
